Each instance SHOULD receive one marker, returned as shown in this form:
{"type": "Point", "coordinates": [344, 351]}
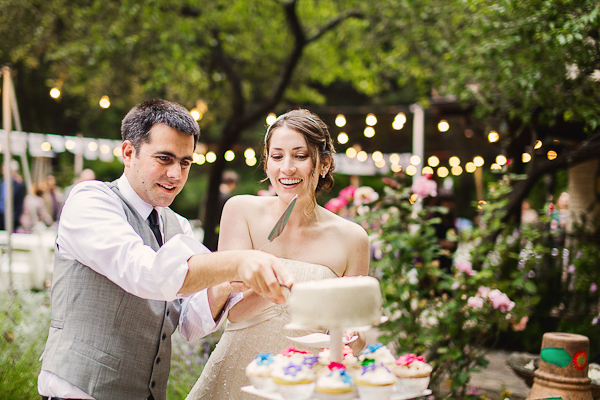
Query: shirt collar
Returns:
{"type": "Point", "coordinates": [143, 208]}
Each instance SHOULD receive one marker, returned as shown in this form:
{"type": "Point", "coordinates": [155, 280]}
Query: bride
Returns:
{"type": "Point", "coordinates": [316, 244]}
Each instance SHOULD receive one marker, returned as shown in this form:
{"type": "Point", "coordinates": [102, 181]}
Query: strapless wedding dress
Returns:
{"type": "Point", "coordinates": [224, 373]}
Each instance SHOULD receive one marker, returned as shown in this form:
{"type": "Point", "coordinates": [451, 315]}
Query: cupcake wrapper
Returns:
{"type": "Point", "coordinates": [262, 383]}
{"type": "Point", "coordinates": [375, 392]}
{"type": "Point", "coordinates": [301, 391]}
{"type": "Point", "coordinates": [412, 386]}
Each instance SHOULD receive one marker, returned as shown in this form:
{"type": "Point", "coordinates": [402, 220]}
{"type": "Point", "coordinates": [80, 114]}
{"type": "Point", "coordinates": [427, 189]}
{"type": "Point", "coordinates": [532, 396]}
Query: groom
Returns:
{"type": "Point", "coordinates": [118, 292]}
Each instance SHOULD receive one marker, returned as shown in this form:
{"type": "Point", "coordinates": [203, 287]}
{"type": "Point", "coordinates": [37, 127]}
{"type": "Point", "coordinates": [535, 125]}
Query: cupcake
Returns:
{"type": "Point", "coordinates": [292, 354]}
{"type": "Point", "coordinates": [294, 381]}
{"type": "Point", "coordinates": [337, 384]}
{"type": "Point", "coordinates": [349, 361]}
{"type": "Point", "coordinates": [412, 373]}
{"type": "Point", "coordinates": [375, 381]}
{"type": "Point", "coordinates": [377, 353]}
{"type": "Point", "coordinates": [259, 371]}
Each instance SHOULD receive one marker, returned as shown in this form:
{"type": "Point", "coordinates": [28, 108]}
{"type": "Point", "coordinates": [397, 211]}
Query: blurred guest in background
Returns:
{"type": "Point", "coordinates": [34, 212]}
{"type": "Point", "coordinates": [53, 197]}
{"type": "Point", "coordinates": [18, 195]}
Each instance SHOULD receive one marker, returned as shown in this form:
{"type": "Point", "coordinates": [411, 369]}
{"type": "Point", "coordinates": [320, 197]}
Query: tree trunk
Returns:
{"type": "Point", "coordinates": [584, 209]}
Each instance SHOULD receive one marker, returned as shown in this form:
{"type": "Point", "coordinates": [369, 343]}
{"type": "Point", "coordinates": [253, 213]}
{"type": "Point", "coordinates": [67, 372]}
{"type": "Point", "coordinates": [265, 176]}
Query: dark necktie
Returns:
{"type": "Point", "coordinates": [154, 225]}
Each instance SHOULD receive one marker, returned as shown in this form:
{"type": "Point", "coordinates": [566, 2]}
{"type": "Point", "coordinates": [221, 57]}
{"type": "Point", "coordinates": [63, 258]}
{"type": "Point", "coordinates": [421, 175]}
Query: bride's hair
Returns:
{"type": "Point", "coordinates": [316, 134]}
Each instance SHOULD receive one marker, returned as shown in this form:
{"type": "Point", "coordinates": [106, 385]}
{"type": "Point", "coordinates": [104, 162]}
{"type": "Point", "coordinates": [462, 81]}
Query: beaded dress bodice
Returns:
{"type": "Point", "coordinates": [224, 373]}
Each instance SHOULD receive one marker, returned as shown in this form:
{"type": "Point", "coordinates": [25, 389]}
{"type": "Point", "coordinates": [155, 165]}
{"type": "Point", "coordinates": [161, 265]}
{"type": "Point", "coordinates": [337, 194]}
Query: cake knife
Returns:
{"type": "Point", "coordinates": [280, 226]}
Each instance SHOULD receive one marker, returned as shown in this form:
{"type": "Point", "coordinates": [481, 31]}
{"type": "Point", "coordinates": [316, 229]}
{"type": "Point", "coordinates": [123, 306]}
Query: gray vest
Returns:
{"type": "Point", "coordinates": [107, 342]}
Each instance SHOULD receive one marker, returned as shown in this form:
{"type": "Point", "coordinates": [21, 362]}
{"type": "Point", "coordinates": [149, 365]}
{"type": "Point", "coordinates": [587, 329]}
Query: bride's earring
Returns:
{"type": "Point", "coordinates": [324, 174]}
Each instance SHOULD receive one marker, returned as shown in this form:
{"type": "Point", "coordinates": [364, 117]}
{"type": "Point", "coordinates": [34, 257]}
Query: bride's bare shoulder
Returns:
{"type": "Point", "coordinates": [248, 203]}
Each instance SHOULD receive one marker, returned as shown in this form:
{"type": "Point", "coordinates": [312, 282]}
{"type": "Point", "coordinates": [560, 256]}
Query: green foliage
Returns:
{"type": "Point", "coordinates": [24, 322]}
{"type": "Point", "coordinates": [450, 315]}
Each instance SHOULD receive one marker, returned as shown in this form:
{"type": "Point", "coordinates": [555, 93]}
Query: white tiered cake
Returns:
{"type": "Point", "coordinates": [336, 303]}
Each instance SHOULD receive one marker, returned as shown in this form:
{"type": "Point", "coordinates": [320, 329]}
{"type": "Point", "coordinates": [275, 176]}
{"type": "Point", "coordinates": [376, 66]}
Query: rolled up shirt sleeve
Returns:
{"type": "Point", "coordinates": [196, 319]}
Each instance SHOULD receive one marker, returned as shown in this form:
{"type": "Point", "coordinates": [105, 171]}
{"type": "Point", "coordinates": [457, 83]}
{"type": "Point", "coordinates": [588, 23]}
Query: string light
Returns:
{"type": "Point", "coordinates": [478, 161]}
{"type": "Point", "coordinates": [211, 157]}
{"type": "Point", "coordinates": [229, 155]}
{"type": "Point", "coordinates": [396, 167]}
{"type": "Point", "coordinates": [46, 146]}
{"type": "Point", "coordinates": [501, 159]}
{"type": "Point", "coordinates": [411, 170]}
{"type": "Point", "coordinates": [415, 160]}
{"type": "Point", "coordinates": [362, 156]}
{"type": "Point", "coordinates": [470, 167]}
{"type": "Point", "coordinates": [371, 119]}
{"type": "Point", "coordinates": [433, 161]}
{"type": "Point", "coordinates": [55, 93]}
{"type": "Point", "coordinates": [249, 153]}
{"type": "Point", "coordinates": [495, 167]}
{"type": "Point", "coordinates": [369, 132]}
{"type": "Point", "coordinates": [443, 126]}
{"type": "Point", "coordinates": [342, 138]}
{"type": "Point", "coordinates": [340, 120]}
{"type": "Point", "coordinates": [104, 149]}
{"type": "Point", "coordinates": [196, 114]}
{"type": "Point", "coordinates": [251, 161]}
{"type": "Point", "coordinates": [538, 144]}
{"type": "Point", "coordinates": [377, 156]}
{"type": "Point", "coordinates": [351, 152]}
{"type": "Point", "coordinates": [380, 163]}
{"type": "Point", "coordinates": [525, 157]}
{"type": "Point", "coordinates": [443, 172]}
{"type": "Point", "coordinates": [270, 119]}
{"type": "Point", "coordinates": [457, 170]}
{"type": "Point", "coordinates": [117, 152]}
{"type": "Point", "coordinates": [427, 170]}
{"type": "Point", "coordinates": [493, 137]}
{"type": "Point", "coordinates": [104, 102]}
{"type": "Point", "coordinates": [395, 158]}
{"type": "Point", "coordinates": [92, 146]}
{"type": "Point", "coordinates": [552, 155]}
{"type": "Point", "coordinates": [454, 161]}
{"type": "Point", "coordinates": [201, 159]}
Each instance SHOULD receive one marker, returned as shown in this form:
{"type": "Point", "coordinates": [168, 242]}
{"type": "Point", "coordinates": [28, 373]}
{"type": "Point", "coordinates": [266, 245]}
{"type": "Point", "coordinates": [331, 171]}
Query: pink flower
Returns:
{"type": "Point", "coordinates": [483, 291]}
{"type": "Point", "coordinates": [593, 287]}
{"type": "Point", "coordinates": [407, 359]}
{"type": "Point", "coordinates": [466, 267]}
{"type": "Point", "coordinates": [500, 300]}
{"type": "Point", "coordinates": [365, 195]}
{"type": "Point", "coordinates": [424, 187]}
{"type": "Point", "coordinates": [347, 193]}
{"type": "Point", "coordinates": [521, 325]}
{"type": "Point", "coordinates": [336, 204]}
{"type": "Point", "coordinates": [475, 302]}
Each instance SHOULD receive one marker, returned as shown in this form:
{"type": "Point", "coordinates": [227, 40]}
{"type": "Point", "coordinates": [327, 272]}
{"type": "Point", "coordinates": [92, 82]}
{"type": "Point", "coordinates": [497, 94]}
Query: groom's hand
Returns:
{"type": "Point", "coordinates": [263, 273]}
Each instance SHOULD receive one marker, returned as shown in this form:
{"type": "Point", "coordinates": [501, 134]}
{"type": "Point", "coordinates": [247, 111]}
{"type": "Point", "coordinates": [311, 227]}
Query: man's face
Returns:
{"type": "Point", "coordinates": [160, 169]}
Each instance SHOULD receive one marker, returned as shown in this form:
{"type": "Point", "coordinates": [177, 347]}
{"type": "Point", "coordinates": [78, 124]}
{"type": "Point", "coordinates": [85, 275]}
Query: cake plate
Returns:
{"type": "Point", "coordinates": [276, 396]}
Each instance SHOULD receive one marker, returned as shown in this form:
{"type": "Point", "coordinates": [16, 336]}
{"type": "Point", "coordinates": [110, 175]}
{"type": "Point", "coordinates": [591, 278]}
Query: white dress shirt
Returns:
{"type": "Point", "coordinates": [91, 211]}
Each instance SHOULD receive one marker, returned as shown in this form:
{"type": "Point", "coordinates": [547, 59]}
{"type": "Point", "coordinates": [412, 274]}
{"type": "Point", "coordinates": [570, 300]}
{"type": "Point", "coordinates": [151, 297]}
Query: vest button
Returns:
{"type": "Point", "coordinates": [153, 384]}
{"type": "Point", "coordinates": [164, 336]}
{"type": "Point", "coordinates": [168, 313]}
{"type": "Point", "coordinates": [158, 360]}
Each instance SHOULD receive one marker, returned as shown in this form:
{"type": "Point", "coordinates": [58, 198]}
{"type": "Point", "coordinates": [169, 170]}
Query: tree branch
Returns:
{"type": "Point", "coordinates": [335, 22]}
{"type": "Point", "coordinates": [589, 149]}
{"type": "Point", "coordinates": [234, 80]}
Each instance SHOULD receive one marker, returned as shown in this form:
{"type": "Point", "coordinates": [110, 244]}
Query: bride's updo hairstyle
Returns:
{"type": "Point", "coordinates": [318, 140]}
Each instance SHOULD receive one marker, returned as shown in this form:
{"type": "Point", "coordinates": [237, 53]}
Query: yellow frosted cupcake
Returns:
{"type": "Point", "coordinates": [375, 382]}
{"type": "Point", "coordinates": [337, 384]}
{"type": "Point", "coordinates": [294, 381]}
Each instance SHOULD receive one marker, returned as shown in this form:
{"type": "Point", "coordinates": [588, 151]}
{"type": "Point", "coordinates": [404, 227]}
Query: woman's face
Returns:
{"type": "Point", "coordinates": [289, 166]}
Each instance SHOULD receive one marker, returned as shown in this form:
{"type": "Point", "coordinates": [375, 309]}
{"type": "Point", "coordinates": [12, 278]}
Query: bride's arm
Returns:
{"type": "Point", "coordinates": [358, 258]}
{"type": "Point", "coordinates": [235, 235]}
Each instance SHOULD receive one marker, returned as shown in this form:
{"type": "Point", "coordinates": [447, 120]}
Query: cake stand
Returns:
{"type": "Point", "coordinates": [336, 343]}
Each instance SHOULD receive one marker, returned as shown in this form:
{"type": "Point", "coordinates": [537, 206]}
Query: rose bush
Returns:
{"type": "Point", "coordinates": [450, 316]}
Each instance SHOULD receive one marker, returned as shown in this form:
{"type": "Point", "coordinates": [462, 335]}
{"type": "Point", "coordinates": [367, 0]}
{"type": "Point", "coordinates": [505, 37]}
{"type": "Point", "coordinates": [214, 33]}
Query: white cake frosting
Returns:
{"type": "Point", "coordinates": [336, 303]}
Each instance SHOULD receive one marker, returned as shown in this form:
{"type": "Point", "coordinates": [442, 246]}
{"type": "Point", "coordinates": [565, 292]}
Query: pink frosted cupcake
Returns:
{"type": "Point", "coordinates": [259, 372]}
{"type": "Point", "coordinates": [377, 353]}
{"type": "Point", "coordinates": [335, 384]}
{"type": "Point", "coordinates": [413, 374]}
{"type": "Point", "coordinates": [294, 381]}
{"type": "Point", "coordinates": [349, 361]}
{"type": "Point", "coordinates": [375, 382]}
{"type": "Point", "coordinates": [292, 354]}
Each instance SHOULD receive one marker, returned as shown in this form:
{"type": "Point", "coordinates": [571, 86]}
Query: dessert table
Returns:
{"type": "Point", "coordinates": [276, 396]}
